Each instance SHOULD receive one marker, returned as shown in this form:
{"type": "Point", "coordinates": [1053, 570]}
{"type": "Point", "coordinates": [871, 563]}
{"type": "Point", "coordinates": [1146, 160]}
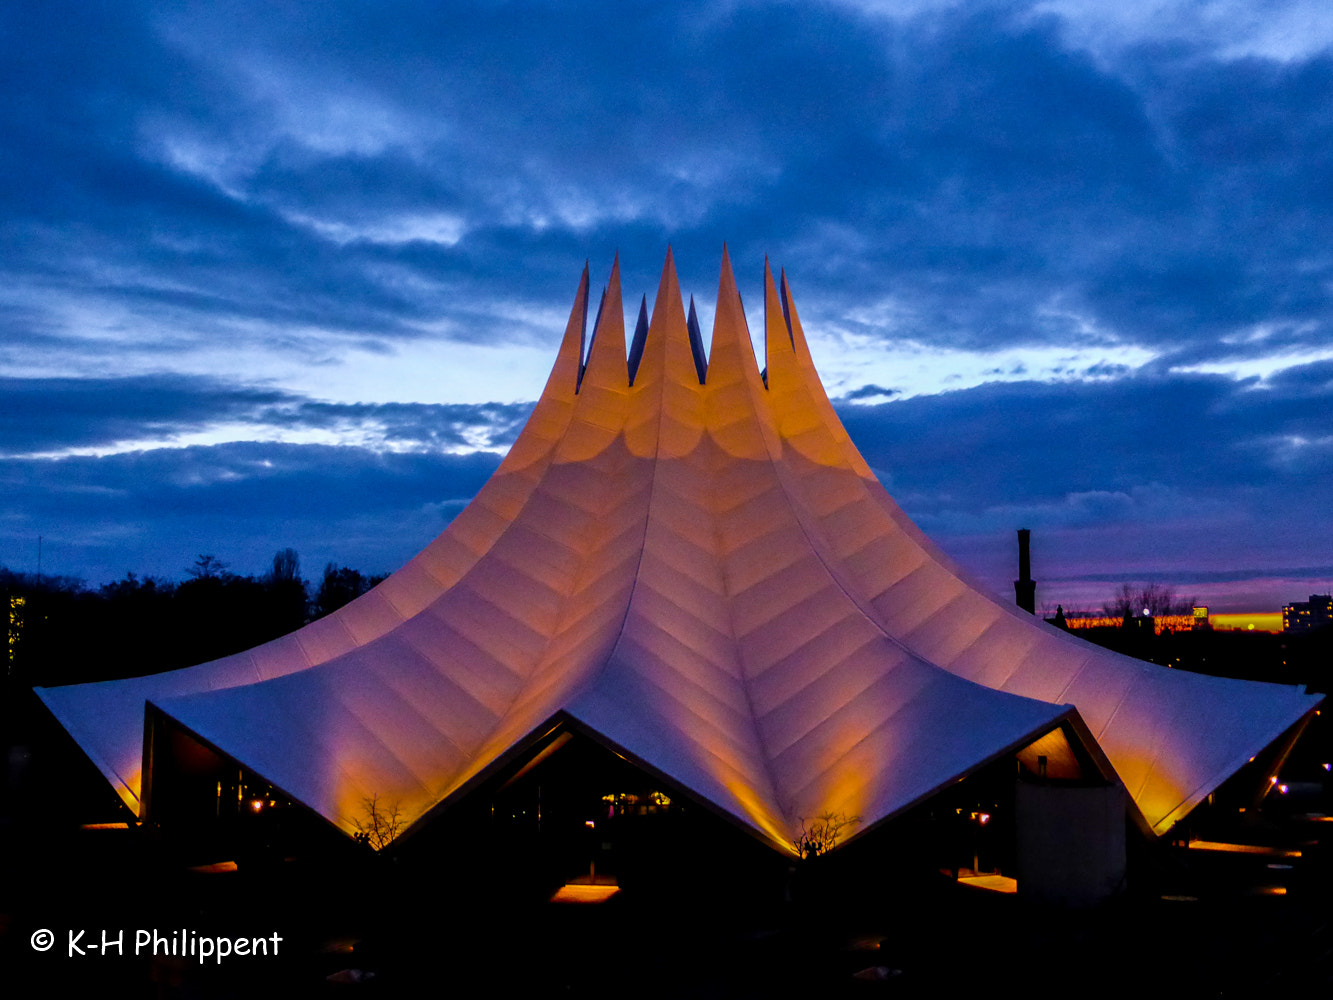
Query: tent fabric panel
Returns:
{"type": "Point", "coordinates": [410, 590]}
{"type": "Point", "coordinates": [914, 744]}
{"type": "Point", "coordinates": [761, 558]}
{"type": "Point", "coordinates": [843, 700]}
{"type": "Point", "coordinates": [504, 642]}
{"type": "Point", "coordinates": [802, 588]}
{"type": "Point", "coordinates": [514, 595]}
{"type": "Point", "coordinates": [669, 630]}
{"type": "Point", "coordinates": [882, 563]}
{"type": "Point", "coordinates": [281, 656]}
{"type": "Point", "coordinates": [1043, 676]}
{"type": "Point", "coordinates": [533, 551]}
{"type": "Point", "coordinates": [787, 647]}
{"type": "Point", "coordinates": [507, 639]}
{"type": "Point", "coordinates": [440, 697]}
{"type": "Point", "coordinates": [325, 638]}
{"type": "Point", "coordinates": [990, 658]}
{"type": "Point", "coordinates": [369, 616]}
{"type": "Point", "coordinates": [1098, 693]}
{"type": "Point", "coordinates": [489, 681]}
{"type": "Point", "coordinates": [703, 600]}
{"type": "Point", "coordinates": [951, 630]}
{"type": "Point", "coordinates": [915, 597]}
{"type": "Point", "coordinates": [713, 696]}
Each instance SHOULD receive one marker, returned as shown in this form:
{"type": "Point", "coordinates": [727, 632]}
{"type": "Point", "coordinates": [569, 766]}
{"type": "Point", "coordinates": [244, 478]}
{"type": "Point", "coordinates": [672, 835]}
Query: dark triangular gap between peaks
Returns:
{"type": "Point", "coordinates": [592, 341]}
{"type": "Point", "coordinates": [786, 308]}
{"type": "Point", "coordinates": [640, 338]}
{"type": "Point", "coordinates": [583, 330]}
{"type": "Point", "coordinates": [697, 344]}
{"type": "Point", "coordinates": [786, 317]}
{"type": "Point", "coordinates": [745, 322]}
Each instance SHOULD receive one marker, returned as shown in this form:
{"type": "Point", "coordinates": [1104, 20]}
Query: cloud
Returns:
{"type": "Point", "coordinates": [414, 426]}
{"type": "Point", "coordinates": [1226, 29]}
{"type": "Point", "coordinates": [48, 414]}
{"type": "Point", "coordinates": [1117, 434]}
{"type": "Point", "coordinates": [208, 210]}
{"type": "Point", "coordinates": [343, 174]}
{"type": "Point", "coordinates": [870, 394]}
{"type": "Point", "coordinates": [1143, 474]}
{"type": "Point", "coordinates": [1151, 476]}
{"type": "Point", "coordinates": [1314, 574]}
{"type": "Point", "coordinates": [59, 415]}
{"type": "Point", "coordinates": [154, 511]}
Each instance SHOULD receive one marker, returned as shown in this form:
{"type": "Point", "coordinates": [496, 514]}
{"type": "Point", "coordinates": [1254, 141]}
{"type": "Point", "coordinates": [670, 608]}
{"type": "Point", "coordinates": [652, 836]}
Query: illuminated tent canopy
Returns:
{"type": "Point", "coordinates": [687, 557]}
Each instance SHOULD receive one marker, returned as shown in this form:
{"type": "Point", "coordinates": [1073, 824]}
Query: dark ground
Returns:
{"type": "Point", "coordinates": [1192, 925]}
{"type": "Point", "coordinates": [453, 922]}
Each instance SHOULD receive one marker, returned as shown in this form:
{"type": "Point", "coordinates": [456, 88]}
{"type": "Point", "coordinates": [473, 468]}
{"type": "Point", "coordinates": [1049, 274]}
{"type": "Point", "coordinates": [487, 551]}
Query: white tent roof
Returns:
{"type": "Point", "coordinates": [705, 572]}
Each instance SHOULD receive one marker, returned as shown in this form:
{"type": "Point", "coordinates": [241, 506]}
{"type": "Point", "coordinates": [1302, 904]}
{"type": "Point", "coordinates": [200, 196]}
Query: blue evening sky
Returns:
{"type": "Point", "coordinates": [292, 274]}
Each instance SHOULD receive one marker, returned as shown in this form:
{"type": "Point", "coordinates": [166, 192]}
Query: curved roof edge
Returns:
{"type": "Point", "coordinates": [692, 558]}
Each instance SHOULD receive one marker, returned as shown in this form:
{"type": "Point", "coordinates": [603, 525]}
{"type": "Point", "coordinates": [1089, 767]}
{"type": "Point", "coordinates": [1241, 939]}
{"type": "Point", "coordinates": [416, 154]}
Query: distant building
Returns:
{"type": "Point", "coordinates": [1074, 622]}
{"type": "Point", "coordinates": [1246, 621]}
{"type": "Point", "coordinates": [1306, 616]}
{"type": "Point", "coordinates": [1199, 618]}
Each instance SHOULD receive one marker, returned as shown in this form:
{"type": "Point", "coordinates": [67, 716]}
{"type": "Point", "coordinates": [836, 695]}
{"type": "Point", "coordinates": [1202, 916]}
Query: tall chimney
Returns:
{"type": "Point", "coordinates": [1025, 588]}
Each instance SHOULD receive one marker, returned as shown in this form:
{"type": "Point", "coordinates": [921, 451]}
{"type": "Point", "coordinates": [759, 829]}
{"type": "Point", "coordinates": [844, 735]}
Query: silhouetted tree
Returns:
{"type": "Point", "coordinates": [58, 631]}
{"type": "Point", "coordinates": [289, 600]}
{"type": "Point", "coordinates": [286, 566]}
{"type": "Point", "coordinates": [208, 567]}
{"type": "Point", "coordinates": [1153, 598]}
{"type": "Point", "coordinates": [381, 824]}
{"type": "Point", "coordinates": [340, 586]}
{"type": "Point", "coordinates": [823, 833]}
{"type": "Point", "coordinates": [132, 587]}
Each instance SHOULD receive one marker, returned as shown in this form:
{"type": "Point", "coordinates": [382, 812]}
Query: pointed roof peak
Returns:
{"type": "Point", "coordinates": [607, 365]}
{"type": "Point", "coordinates": [666, 350]}
{"type": "Point", "coordinates": [727, 274]}
{"type": "Point", "coordinates": [568, 368]}
{"type": "Point", "coordinates": [794, 324]}
{"type": "Point", "coordinates": [669, 276]}
{"type": "Point", "coordinates": [726, 287]}
{"type": "Point", "coordinates": [731, 352]}
{"type": "Point", "coordinates": [668, 286]}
